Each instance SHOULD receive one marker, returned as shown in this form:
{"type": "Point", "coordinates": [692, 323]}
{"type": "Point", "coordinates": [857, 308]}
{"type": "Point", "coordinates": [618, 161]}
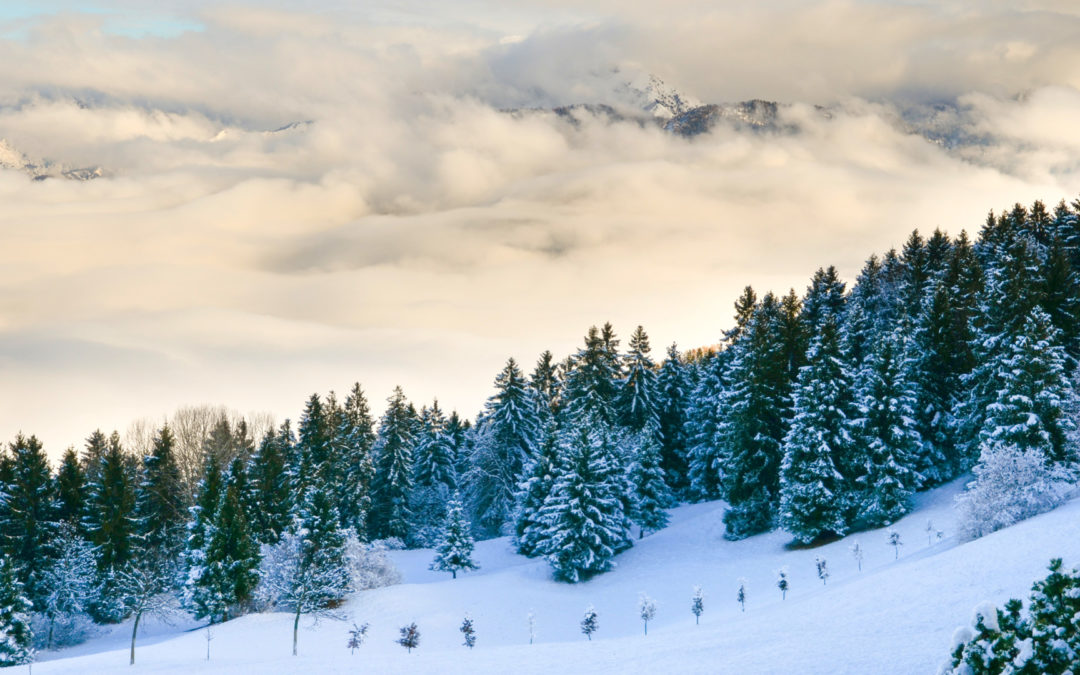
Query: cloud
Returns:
{"type": "Point", "coordinates": [296, 200]}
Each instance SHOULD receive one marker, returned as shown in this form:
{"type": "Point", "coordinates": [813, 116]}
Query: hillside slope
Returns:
{"type": "Point", "coordinates": [895, 616]}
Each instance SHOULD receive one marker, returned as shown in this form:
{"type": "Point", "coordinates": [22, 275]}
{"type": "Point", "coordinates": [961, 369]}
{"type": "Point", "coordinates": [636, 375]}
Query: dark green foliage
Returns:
{"type": "Point", "coordinates": [71, 491]}
{"type": "Point", "coordinates": [16, 638]}
{"type": "Point", "coordinates": [269, 488]}
{"type": "Point", "coordinates": [392, 484]}
{"type": "Point", "coordinates": [159, 499]}
{"type": "Point", "coordinates": [637, 400]}
{"type": "Point", "coordinates": [111, 521]}
{"type": "Point", "coordinates": [673, 391]}
{"type": "Point", "coordinates": [356, 437]}
{"type": "Point", "coordinates": [28, 515]}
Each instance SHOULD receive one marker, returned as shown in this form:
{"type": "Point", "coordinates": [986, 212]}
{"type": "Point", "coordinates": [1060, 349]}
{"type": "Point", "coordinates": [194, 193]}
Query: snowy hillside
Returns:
{"type": "Point", "coordinates": [896, 616]}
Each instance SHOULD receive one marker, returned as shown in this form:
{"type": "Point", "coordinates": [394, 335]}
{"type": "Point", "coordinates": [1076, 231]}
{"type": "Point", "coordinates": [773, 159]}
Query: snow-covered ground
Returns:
{"type": "Point", "coordinates": [895, 616]}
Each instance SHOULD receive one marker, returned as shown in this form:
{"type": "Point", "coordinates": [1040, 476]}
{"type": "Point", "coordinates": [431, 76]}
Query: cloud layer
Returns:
{"type": "Point", "coordinates": [297, 199]}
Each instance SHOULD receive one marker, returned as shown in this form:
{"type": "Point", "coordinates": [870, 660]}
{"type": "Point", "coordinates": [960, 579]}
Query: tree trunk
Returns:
{"type": "Point", "coordinates": [454, 573]}
{"type": "Point", "coordinates": [134, 630]}
{"type": "Point", "coordinates": [295, 629]}
{"type": "Point", "coordinates": [646, 627]}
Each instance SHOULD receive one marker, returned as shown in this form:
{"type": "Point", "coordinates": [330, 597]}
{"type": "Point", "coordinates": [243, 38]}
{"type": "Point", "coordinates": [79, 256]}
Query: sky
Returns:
{"type": "Point", "coordinates": [299, 196]}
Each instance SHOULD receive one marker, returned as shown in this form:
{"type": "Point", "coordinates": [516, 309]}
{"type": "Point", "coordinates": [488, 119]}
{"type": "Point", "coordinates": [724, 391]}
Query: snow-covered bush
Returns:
{"type": "Point", "coordinates": [1010, 485]}
{"type": "Point", "coordinates": [369, 566]}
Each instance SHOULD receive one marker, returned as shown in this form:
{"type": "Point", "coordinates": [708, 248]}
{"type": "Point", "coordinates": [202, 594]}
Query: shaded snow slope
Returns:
{"type": "Point", "coordinates": [896, 616]}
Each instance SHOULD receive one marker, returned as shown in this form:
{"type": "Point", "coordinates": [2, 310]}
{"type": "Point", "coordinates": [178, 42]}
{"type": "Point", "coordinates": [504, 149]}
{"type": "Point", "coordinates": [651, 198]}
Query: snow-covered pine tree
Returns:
{"type": "Point", "coordinates": [539, 477]}
{"type": "Point", "coordinates": [546, 383]}
{"type": "Point", "coordinates": [28, 515]}
{"type": "Point", "coordinates": [894, 540]}
{"type": "Point", "coordinates": [651, 495]}
{"type": "Point", "coordinates": [697, 604]}
{"type": "Point", "coordinates": [468, 631]}
{"type": "Point", "coordinates": [813, 493]}
{"type": "Point", "coordinates": [202, 594]}
{"type": "Point", "coordinates": [590, 387]}
{"type": "Point", "coordinates": [646, 610]}
{"type": "Point", "coordinates": [586, 525]}
{"type": "Point", "coordinates": [1033, 391]}
{"type": "Point", "coordinates": [71, 492]}
{"type": "Point", "coordinates": [392, 483]}
{"type": "Point", "coordinates": [111, 524]}
{"type": "Point", "coordinates": [885, 427]}
{"type": "Point", "coordinates": [857, 553]}
{"type": "Point", "coordinates": [228, 583]}
{"type": "Point", "coordinates": [270, 492]}
{"type": "Point", "coordinates": [16, 638]}
{"type": "Point", "coordinates": [822, 570]}
{"type": "Point", "coordinates": [740, 595]}
{"type": "Point", "coordinates": [703, 419]}
{"type": "Point", "coordinates": [589, 622]}
{"type": "Point", "coordinates": [410, 637]}
{"type": "Point", "coordinates": [751, 428]}
{"type": "Point", "coordinates": [357, 438]}
{"type": "Point", "coordinates": [672, 392]}
{"type": "Point", "coordinates": [434, 476]}
{"type": "Point", "coordinates": [357, 634]}
{"type": "Point", "coordinates": [506, 439]}
{"type": "Point", "coordinates": [159, 500]}
{"type": "Point", "coordinates": [824, 300]}
{"type": "Point", "coordinates": [782, 583]}
{"type": "Point", "coordinates": [637, 400]}
{"type": "Point", "coordinates": [454, 552]}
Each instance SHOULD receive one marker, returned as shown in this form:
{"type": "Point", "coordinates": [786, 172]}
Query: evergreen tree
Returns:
{"type": "Point", "coordinates": [591, 388]}
{"type": "Point", "coordinates": [813, 494]}
{"type": "Point", "coordinates": [434, 476]}
{"type": "Point", "coordinates": [1032, 392]}
{"type": "Point", "coordinates": [410, 637]}
{"type": "Point", "coordinates": [16, 645]}
{"type": "Point", "coordinates": [270, 492]}
{"type": "Point", "coordinates": [357, 436]}
{"type": "Point", "coordinates": [28, 515]}
{"type": "Point", "coordinates": [201, 589]}
{"type": "Point", "coordinates": [673, 391]}
{"type": "Point", "coordinates": [71, 491]}
{"type": "Point", "coordinates": [539, 478]}
{"type": "Point", "coordinates": [752, 425]}
{"type": "Point", "coordinates": [651, 495]}
{"type": "Point", "coordinates": [68, 587]}
{"type": "Point", "coordinates": [505, 441]}
{"type": "Point", "coordinates": [585, 522]}
{"type": "Point", "coordinates": [637, 399]}
{"type": "Point", "coordinates": [545, 382]}
{"type": "Point", "coordinates": [393, 470]}
{"type": "Point", "coordinates": [703, 420]}
{"type": "Point", "coordinates": [159, 501]}
{"type": "Point", "coordinates": [824, 299]}
{"type": "Point", "coordinates": [314, 442]}
{"type": "Point", "coordinates": [885, 428]}
{"type": "Point", "coordinates": [590, 622]}
{"type": "Point", "coordinates": [469, 632]}
{"type": "Point", "coordinates": [112, 523]}
{"type": "Point", "coordinates": [454, 552]}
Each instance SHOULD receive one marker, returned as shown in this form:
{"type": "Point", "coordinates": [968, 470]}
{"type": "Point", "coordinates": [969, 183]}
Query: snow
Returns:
{"type": "Point", "coordinates": [896, 616]}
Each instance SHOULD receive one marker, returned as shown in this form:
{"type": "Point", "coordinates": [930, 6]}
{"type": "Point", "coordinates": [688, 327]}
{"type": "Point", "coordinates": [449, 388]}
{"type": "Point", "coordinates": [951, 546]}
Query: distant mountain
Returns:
{"type": "Point", "coordinates": [13, 159]}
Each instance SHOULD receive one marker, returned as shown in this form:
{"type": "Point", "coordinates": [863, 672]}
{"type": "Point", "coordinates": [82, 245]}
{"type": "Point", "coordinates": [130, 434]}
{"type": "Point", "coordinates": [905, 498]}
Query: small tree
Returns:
{"type": "Point", "coordinates": [741, 594]}
{"type": "Point", "coordinates": [697, 604]}
{"type": "Point", "coordinates": [455, 549]}
{"type": "Point", "coordinates": [895, 542]}
{"type": "Point", "coordinates": [468, 631]}
{"type": "Point", "coordinates": [646, 609]}
{"type": "Point", "coordinates": [822, 570]}
{"type": "Point", "coordinates": [356, 637]}
{"type": "Point", "coordinates": [857, 553]}
{"type": "Point", "coordinates": [144, 591]}
{"type": "Point", "coordinates": [532, 627]}
{"type": "Point", "coordinates": [782, 583]}
{"type": "Point", "coordinates": [929, 532]}
{"type": "Point", "coordinates": [410, 637]}
{"type": "Point", "coordinates": [69, 588]}
{"type": "Point", "coordinates": [589, 622]}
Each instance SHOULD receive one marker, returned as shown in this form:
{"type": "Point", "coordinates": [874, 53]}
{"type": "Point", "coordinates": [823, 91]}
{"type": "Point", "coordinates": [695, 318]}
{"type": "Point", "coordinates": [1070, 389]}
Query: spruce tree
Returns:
{"type": "Point", "coordinates": [885, 427]}
{"type": "Point", "coordinates": [357, 436]}
{"type": "Point", "coordinates": [506, 439]}
{"type": "Point", "coordinates": [159, 501]}
{"type": "Point", "coordinates": [393, 470]}
{"type": "Point", "coordinates": [651, 495]}
{"type": "Point", "coordinates": [703, 420]}
{"type": "Point", "coordinates": [269, 489]}
{"type": "Point", "coordinates": [313, 442]}
{"type": "Point", "coordinates": [539, 477]}
{"type": "Point", "coordinates": [673, 391]}
{"type": "Point", "coordinates": [16, 637]}
{"type": "Point", "coordinates": [637, 398]}
{"type": "Point", "coordinates": [814, 495]}
{"type": "Point", "coordinates": [71, 491]}
{"type": "Point", "coordinates": [434, 476]}
{"type": "Point", "coordinates": [454, 552]}
{"type": "Point", "coordinates": [28, 515]}
{"type": "Point", "coordinates": [112, 524]}
{"type": "Point", "coordinates": [545, 382]}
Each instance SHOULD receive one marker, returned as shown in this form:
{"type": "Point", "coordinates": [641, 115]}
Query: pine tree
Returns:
{"type": "Point", "coordinates": [782, 583]}
{"type": "Point", "coordinates": [813, 493]}
{"type": "Point", "coordinates": [203, 586]}
{"type": "Point", "coordinates": [270, 493]}
{"type": "Point", "coordinates": [893, 538]}
{"type": "Point", "coordinates": [112, 522]}
{"type": "Point", "coordinates": [454, 552]}
{"type": "Point", "coordinates": [651, 496]}
{"type": "Point", "coordinates": [469, 632]}
{"type": "Point", "coordinates": [410, 637]}
{"type": "Point", "coordinates": [589, 622]}
{"type": "Point", "coordinates": [752, 425]}
{"type": "Point", "coordinates": [703, 420]}
{"type": "Point", "coordinates": [697, 604]}
{"type": "Point", "coordinates": [28, 515]}
{"type": "Point", "coordinates": [646, 610]}
{"type": "Point", "coordinates": [590, 389]}
{"type": "Point", "coordinates": [539, 478]}
{"type": "Point", "coordinates": [358, 438]}
{"type": "Point", "coordinates": [159, 500]}
{"type": "Point", "coordinates": [857, 553]}
{"type": "Point", "coordinates": [637, 398]}
{"type": "Point", "coordinates": [314, 442]}
{"type": "Point", "coordinates": [506, 439]}
{"type": "Point", "coordinates": [822, 570]}
{"type": "Point", "coordinates": [71, 491]}
{"type": "Point", "coordinates": [68, 588]}
{"type": "Point", "coordinates": [673, 391]}
{"type": "Point", "coordinates": [740, 595]}
{"type": "Point", "coordinates": [393, 470]}
{"type": "Point", "coordinates": [357, 634]}
{"type": "Point", "coordinates": [545, 382]}
{"type": "Point", "coordinates": [16, 645]}
{"type": "Point", "coordinates": [885, 428]}
{"type": "Point", "coordinates": [585, 522]}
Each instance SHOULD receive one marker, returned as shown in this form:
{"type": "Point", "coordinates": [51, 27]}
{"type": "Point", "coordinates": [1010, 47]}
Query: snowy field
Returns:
{"type": "Point", "coordinates": [895, 616]}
